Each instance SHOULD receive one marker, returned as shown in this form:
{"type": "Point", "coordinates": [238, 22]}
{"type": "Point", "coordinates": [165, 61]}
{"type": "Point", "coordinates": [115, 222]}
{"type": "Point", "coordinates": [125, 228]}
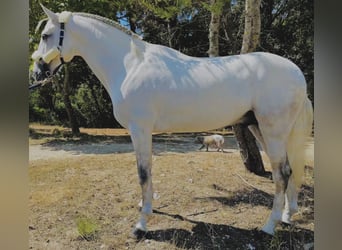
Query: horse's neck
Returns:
{"type": "Point", "coordinates": [106, 50]}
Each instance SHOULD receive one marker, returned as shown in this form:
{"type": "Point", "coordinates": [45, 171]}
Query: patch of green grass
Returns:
{"type": "Point", "coordinates": [277, 242]}
{"type": "Point", "coordinates": [87, 228]}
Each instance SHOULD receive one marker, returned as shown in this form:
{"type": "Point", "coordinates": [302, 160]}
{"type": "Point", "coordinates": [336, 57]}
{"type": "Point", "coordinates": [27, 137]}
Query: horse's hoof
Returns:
{"type": "Point", "coordinates": [284, 223]}
{"type": "Point", "coordinates": [267, 230]}
{"type": "Point", "coordinates": [138, 234]}
{"type": "Point", "coordinates": [260, 235]}
{"type": "Point", "coordinates": [285, 218]}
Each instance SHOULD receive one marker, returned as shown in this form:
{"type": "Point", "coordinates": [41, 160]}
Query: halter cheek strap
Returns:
{"type": "Point", "coordinates": [61, 38]}
{"type": "Point", "coordinates": [62, 19]}
{"type": "Point", "coordinates": [60, 44]}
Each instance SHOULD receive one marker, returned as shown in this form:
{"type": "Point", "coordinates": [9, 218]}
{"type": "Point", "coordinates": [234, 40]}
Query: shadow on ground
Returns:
{"type": "Point", "coordinates": [217, 236]}
{"type": "Point", "coordinates": [253, 197]}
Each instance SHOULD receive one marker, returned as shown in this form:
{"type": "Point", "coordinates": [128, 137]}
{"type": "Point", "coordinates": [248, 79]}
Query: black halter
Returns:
{"type": "Point", "coordinates": [61, 38]}
{"type": "Point", "coordinates": [60, 44]}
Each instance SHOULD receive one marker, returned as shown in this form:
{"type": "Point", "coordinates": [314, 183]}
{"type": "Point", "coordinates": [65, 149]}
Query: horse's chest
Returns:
{"type": "Point", "coordinates": [121, 113]}
{"type": "Point", "coordinates": [132, 110]}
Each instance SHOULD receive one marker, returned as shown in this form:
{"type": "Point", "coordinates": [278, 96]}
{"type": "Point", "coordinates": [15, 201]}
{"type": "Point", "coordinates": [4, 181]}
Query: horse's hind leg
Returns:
{"type": "Point", "coordinates": [291, 194]}
{"type": "Point", "coordinates": [281, 172]}
{"type": "Point", "coordinates": [291, 201]}
{"type": "Point", "coordinates": [142, 143]}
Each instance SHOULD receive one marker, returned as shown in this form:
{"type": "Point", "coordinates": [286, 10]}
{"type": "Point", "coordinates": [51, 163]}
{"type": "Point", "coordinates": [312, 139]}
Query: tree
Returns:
{"type": "Point", "coordinates": [66, 97]}
{"type": "Point", "coordinates": [251, 34]}
{"type": "Point", "coordinates": [249, 150]}
{"type": "Point", "coordinates": [214, 27]}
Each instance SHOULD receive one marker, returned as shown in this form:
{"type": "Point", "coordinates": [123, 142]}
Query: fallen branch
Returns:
{"type": "Point", "coordinates": [246, 182]}
{"type": "Point", "coordinates": [203, 212]}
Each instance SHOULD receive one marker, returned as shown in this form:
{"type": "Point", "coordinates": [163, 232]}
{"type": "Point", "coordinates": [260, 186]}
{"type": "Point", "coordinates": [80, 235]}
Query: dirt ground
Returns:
{"type": "Point", "coordinates": [203, 200]}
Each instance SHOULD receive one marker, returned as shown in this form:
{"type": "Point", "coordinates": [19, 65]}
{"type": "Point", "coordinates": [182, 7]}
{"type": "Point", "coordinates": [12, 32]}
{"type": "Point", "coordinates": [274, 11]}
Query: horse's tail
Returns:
{"type": "Point", "coordinates": [301, 129]}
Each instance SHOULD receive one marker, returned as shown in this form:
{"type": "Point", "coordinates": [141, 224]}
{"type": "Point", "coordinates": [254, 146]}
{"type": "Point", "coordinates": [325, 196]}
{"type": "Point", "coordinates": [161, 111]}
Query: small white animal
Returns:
{"type": "Point", "coordinates": [212, 141]}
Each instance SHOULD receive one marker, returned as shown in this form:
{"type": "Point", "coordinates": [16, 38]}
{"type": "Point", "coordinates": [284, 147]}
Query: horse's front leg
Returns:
{"type": "Point", "coordinates": [142, 143]}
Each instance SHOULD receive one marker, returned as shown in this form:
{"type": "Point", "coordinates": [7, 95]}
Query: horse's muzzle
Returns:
{"type": "Point", "coordinates": [41, 71]}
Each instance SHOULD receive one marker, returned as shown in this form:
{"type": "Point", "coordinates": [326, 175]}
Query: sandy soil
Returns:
{"type": "Point", "coordinates": [160, 143]}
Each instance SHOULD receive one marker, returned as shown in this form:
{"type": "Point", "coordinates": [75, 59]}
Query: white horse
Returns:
{"type": "Point", "coordinates": [156, 88]}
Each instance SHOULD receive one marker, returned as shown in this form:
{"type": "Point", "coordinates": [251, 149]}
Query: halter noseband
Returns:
{"type": "Point", "coordinates": [55, 51]}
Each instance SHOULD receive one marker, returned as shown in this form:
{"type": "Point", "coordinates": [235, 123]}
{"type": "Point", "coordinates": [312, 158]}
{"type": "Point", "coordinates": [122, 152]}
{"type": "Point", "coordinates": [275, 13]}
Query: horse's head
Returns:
{"type": "Point", "coordinates": [54, 48]}
{"type": "Point", "coordinates": [199, 139]}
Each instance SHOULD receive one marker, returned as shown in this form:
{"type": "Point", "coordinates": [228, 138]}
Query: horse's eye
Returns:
{"type": "Point", "coordinates": [45, 36]}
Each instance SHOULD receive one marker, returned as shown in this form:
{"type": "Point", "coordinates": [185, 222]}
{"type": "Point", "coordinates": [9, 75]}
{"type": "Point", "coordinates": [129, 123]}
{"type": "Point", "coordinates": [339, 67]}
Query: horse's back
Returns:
{"type": "Point", "coordinates": [181, 93]}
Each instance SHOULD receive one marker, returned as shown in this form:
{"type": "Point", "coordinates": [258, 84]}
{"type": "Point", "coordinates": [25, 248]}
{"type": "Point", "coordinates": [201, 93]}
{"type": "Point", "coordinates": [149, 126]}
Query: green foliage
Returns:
{"type": "Point", "coordinates": [165, 9]}
{"type": "Point", "coordinates": [93, 106]}
{"type": "Point", "coordinates": [43, 106]}
{"type": "Point", "coordinates": [216, 6]}
{"type": "Point", "coordinates": [87, 228]}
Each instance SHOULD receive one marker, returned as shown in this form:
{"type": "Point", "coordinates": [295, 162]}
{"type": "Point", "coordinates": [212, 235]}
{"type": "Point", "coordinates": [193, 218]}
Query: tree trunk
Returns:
{"type": "Point", "coordinates": [249, 150]}
{"type": "Point", "coordinates": [131, 21]}
{"type": "Point", "coordinates": [251, 34]}
{"type": "Point", "coordinates": [214, 28]}
{"type": "Point", "coordinates": [66, 93]}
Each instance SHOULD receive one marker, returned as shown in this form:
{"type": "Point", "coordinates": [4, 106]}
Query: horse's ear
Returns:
{"type": "Point", "coordinates": [51, 15]}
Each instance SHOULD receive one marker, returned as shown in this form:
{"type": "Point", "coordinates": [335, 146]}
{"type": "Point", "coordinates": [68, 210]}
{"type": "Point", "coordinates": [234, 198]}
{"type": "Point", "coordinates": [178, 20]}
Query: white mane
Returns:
{"type": "Point", "coordinates": [109, 22]}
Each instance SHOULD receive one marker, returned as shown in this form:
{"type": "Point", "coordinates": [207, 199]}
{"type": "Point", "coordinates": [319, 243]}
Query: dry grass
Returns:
{"type": "Point", "coordinates": [206, 200]}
